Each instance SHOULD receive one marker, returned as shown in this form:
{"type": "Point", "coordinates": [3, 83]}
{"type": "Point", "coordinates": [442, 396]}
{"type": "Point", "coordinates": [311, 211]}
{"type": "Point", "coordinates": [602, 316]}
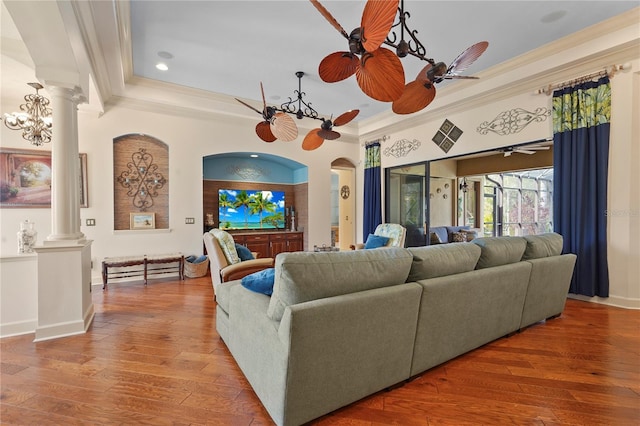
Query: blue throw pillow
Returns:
{"type": "Point", "coordinates": [375, 241]}
{"type": "Point", "coordinates": [260, 282]}
{"type": "Point", "coordinates": [243, 252]}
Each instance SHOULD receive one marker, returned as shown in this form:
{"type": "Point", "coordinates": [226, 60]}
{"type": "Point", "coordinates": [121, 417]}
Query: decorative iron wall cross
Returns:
{"type": "Point", "coordinates": [141, 179]}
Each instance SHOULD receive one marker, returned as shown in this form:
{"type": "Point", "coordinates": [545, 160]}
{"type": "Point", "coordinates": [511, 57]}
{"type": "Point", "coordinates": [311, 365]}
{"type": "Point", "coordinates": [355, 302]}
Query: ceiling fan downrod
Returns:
{"type": "Point", "coordinates": [403, 48]}
{"type": "Point", "coordinates": [303, 109]}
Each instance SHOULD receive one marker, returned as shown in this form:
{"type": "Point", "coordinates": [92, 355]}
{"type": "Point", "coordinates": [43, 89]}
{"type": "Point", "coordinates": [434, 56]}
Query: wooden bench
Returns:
{"type": "Point", "coordinates": [143, 261]}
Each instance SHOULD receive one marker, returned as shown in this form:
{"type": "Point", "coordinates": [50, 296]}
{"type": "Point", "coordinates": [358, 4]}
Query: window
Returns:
{"type": "Point", "coordinates": [518, 203]}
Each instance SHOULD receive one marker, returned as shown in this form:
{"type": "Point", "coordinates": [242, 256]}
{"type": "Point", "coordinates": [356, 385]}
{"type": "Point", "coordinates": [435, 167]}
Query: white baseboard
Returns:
{"type": "Point", "coordinates": [18, 328]}
{"type": "Point", "coordinates": [620, 302]}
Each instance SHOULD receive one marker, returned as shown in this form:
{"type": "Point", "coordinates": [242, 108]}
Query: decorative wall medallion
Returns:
{"type": "Point", "coordinates": [401, 148]}
{"type": "Point", "coordinates": [513, 121]}
{"type": "Point", "coordinates": [344, 192]}
{"type": "Point", "coordinates": [447, 135]}
{"type": "Point", "coordinates": [246, 172]}
{"type": "Point", "coordinates": [141, 179]}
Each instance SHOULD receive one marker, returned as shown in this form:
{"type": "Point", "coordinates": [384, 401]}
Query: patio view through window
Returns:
{"type": "Point", "coordinates": [518, 203]}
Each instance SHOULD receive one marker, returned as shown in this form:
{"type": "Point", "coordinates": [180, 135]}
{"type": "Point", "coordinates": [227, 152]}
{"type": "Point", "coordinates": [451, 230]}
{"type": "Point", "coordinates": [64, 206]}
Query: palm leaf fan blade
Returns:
{"type": "Point", "coordinates": [416, 96]}
{"type": "Point", "coordinates": [312, 140]}
{"type": "Point", "coordinates": [422, 75]}
{"type": "Point", "coordinates": [283, 127]}
{"type": "Point", "coordinates": [338, 66]}
{"type": "Point", "coordinates": [248, 106]}
{"type": "Point", "coordinates": [377, 19]}
{"type": "Point", "coordinates": [263, 130]}
{"type": "Point", "coordinates": [264, 101]}
{"type": "Point", "coordinates": [380, 75]}
{"type": "Point", "coordinates": [334, 23]}
{"type": "Point", "coordinates": [468, 57]}
{"type": "Point", "coordinates": [346, 117]}
{"type": "Point", "coordinates": [328, 134]}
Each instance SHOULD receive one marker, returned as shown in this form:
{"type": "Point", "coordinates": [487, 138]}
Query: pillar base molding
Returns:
{"type": "Point", "coordinates": [67, 329]}
{"type": "Point", "coordinates": [65, 240]}
{"type": "Point", "coordinates": [65, 304]}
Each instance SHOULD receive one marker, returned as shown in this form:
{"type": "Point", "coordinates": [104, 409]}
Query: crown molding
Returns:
{"type": "Point", "coordinates": [123, 20]}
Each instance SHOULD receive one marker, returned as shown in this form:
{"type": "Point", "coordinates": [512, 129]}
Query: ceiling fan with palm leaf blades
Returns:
{"type": "Point", "coordinates": [379, 71]}
{"type": "Point", "coordinates": [527, 149]}
{"type": "Point", "coordinates": [278, 124]}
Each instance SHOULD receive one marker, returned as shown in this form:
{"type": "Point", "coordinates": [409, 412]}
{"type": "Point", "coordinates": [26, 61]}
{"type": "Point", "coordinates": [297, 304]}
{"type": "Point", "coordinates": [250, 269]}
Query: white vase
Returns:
{"type": "Point", "coordinates": [27, 237]}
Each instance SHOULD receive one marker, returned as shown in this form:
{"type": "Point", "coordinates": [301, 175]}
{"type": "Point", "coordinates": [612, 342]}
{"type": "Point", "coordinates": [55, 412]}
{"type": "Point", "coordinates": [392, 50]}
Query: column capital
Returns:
{"type": "Point", "coordinates": [72, 93]}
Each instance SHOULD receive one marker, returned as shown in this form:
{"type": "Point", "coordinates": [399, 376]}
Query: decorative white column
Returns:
{"type": "Point", "coordinates": [64, 260]}
{"type": "Point", "coordinates": [65, 167]}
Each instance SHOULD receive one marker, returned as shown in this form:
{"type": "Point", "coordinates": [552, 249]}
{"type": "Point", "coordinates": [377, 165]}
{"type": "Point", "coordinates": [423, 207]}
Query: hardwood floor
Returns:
{"type": "Point", "coordinates": [152, 356]}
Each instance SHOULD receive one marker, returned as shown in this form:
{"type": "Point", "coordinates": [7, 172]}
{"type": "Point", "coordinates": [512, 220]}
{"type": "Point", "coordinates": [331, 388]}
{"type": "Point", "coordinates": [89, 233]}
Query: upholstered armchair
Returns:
{"type": "Point", "coordinates": [224, 261]}
{"type": "Point", "coordinates": [395, 233]}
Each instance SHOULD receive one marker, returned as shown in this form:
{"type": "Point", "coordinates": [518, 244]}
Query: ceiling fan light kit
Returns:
{"type": "Point", "coordinates": [278, 123]}
{"type": "Point", "coordinates": [378, 70]}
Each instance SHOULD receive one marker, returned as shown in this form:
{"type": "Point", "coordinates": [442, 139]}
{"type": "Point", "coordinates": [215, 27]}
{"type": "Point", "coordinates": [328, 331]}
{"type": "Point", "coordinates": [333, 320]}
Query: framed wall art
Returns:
{"type": "Point", "coordinates": [25, 179]}
{"type": "Point", "coordinates": [142, 220]}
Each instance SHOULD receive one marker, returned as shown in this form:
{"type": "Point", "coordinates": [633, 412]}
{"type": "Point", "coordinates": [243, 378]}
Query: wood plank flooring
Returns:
{"type": "Point", "coordinates": [152, 356]}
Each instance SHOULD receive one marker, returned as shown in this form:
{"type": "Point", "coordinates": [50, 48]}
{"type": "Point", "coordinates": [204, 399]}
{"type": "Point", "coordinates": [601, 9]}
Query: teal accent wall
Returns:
{"type": "Point", "coordinates": [245, 169]}
{"type": "Point", "coordinates": [301, 175]}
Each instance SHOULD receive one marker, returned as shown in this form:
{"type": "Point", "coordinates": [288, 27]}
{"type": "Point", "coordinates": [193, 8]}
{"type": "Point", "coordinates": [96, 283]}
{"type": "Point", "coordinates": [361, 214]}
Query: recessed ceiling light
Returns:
{"type": "Point", "coordinates": [275, 97]}
{"type": "Point", "coordinates": [254, 156]}
{"type": "Point", "coordinates": [553, 16]}
{"type": "Point", "coordinates": [165, 55]}
{"type": "Point", "coordinates": [162, 66]}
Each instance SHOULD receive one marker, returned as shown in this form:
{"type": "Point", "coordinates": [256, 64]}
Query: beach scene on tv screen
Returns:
{"type": "Point", "coordinates": [249, 209]}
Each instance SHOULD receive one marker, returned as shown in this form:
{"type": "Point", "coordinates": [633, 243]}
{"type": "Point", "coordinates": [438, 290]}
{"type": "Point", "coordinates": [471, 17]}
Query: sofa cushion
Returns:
{"type": "Point", "coordinates": [375, 241]}
{"type": "Point", "coordinates": [440, 260]}
{"type": "Point", "coordinates": [260, 282]}
{"type": "Point", "coordinates": [434, 238]}
{"type": "Point", "coordinates": [243, 252]}
{"type": "Point", "coordinates": [228, 246]}
{"type": "Point", "coordinates": [543, 245]}
{"type": "Point", "coordinates": [452, 229]}
{"type": "Point", "coordinates": [496, 251]}
{"type": "Point", "coordinates": [458, 237]}
{"type": "Point", "coordinates": [469, 234]}
{"type": "Point", "coordinates": [305, 276]}
{"type": "Point", "coordinates": [441, 232]}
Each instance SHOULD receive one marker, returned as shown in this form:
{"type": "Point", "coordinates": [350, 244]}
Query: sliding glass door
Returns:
{"type": "Point", "coordinates": [406, 201]}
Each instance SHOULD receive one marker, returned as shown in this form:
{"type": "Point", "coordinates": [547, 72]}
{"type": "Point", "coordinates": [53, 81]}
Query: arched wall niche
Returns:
{"type": "Point", "coordinates": [255, 171]}
{"type": "Point", "coordinates": [141, 181]}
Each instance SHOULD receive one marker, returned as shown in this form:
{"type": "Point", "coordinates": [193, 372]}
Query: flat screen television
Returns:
{"type": "Point", "coordinates": [250, 209]}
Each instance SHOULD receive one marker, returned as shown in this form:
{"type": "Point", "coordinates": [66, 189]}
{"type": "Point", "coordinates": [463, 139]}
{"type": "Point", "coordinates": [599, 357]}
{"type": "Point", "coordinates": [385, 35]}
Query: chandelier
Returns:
{"type": "Point", "coordinates": [34, 118]}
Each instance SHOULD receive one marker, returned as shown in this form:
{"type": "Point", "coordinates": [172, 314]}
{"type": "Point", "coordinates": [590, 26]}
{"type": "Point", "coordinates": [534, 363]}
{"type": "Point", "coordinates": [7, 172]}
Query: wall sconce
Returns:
{"type": "Point", "coordinates": [464, 186]}
{"type": "Point", "coordinates": [141, 179]}
{"type": "Point", "coordinates": [34, 118]}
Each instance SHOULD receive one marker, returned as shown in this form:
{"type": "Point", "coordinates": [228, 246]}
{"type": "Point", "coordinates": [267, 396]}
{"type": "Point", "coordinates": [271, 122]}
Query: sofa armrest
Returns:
{"type": "Point", "coordinates": [242, 269]}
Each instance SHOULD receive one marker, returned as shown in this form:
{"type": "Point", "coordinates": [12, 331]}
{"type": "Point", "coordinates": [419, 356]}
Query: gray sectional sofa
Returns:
{"type": "Point", "coordinates": [343, 325]}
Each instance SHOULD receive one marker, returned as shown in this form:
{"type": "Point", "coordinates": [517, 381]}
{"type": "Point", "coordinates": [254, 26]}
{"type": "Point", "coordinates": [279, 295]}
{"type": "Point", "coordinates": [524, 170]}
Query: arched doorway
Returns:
{"type": "Point", "coordinates": [343, 206]}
